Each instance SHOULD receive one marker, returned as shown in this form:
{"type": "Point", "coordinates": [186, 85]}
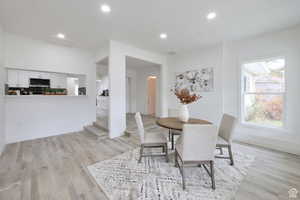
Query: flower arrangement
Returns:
{"type": "Point", "coordinates": [185, 97]}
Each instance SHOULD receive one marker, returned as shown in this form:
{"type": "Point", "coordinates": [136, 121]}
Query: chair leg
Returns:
{"type": "Point", "coordinates": [163, 149]}
{"type": "Point", "coordinates": [212, 171]}
{"type": "Point", "coordinates": [176, 159]}
{"type": "Point", "coordinates": [183, 178]}
{"type": "Point", "coordinates": [230, 155]}
{"type": "Point", "coordinates": [166, 152]}
{"type": "Point", "coordinates": [221, 150]}
{"type": "Point", "coordinates": [141, 153]}
{"type": "Point", "coordinates": [172, 141]}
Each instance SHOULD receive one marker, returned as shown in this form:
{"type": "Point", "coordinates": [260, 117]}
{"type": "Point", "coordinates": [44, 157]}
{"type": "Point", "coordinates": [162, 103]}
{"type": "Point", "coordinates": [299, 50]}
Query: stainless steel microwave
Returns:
{"type": "Point", "coordinates": [37, 82]}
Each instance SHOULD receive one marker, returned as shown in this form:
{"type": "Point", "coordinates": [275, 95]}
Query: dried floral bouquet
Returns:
{"type": "Point", "coordinates": [185, 97]}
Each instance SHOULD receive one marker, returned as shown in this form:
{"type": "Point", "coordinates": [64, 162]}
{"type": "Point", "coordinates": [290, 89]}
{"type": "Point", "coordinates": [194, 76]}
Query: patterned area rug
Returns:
{"type": "Point", "coordinates": [123, 178]}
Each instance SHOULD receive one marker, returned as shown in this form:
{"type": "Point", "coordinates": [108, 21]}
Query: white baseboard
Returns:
{"type": "Point", "coordinates": [271, 143]}
{"type": "Point", "coordinates": [2, 149]}
{"type": "Point", "coordinates": [34, 137]}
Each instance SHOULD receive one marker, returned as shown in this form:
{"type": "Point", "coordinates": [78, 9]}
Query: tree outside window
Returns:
{"type": "Point", "coordinates": [263, 92]}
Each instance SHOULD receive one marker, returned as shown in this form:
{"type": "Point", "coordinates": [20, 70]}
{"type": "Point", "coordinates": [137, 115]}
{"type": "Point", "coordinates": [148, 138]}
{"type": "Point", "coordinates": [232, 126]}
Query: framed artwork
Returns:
{"type": "Point", "coordinates": [196, 81]}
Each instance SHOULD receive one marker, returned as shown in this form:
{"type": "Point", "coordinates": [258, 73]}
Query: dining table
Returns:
{"type": "Point", "coordinates": [174, 124]}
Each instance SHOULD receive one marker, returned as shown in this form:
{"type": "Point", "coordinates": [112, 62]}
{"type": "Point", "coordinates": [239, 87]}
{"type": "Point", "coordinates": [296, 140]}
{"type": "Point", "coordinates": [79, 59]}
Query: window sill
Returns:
{"type": "Point", "coordinates": [256, 126]}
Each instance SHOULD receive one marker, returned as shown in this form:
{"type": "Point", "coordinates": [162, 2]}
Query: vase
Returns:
{"type": "Point", "coordinates": [184, 113]}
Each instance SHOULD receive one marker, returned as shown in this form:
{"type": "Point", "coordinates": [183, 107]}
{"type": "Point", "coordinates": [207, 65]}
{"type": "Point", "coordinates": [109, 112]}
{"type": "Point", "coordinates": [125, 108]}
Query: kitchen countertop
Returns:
{"type": "Point", "coordinates": [18, 96]}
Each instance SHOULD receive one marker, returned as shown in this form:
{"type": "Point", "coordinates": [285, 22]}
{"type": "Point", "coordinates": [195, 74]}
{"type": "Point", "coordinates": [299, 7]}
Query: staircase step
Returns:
{"type": "Point", "coordinates": [100, 125]}
{"type": "Point", "coordinates": [102, 134]}
{"type": "Point", "coordinates": [129, 132]}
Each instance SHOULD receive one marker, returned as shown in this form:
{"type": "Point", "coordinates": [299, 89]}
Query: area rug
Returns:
{"type": "Point", "coordinates": [123, 178]}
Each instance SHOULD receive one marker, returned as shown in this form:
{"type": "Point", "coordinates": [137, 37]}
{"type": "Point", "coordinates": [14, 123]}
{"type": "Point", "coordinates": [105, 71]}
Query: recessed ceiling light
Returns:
{"type": "Point", "coordinates": [163, 36]}
{"type": "Point", "coordinates": [211, 15]}
{"type": "Point", "coordinates": [105, 8]}
{"type": "Point", "coordinates": [60, 36]}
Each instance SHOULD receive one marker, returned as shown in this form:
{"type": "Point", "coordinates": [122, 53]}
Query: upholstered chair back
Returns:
{"type": "Point", "coordinates": [139, 122]}
{"type": "Point", "coordinates": [199, 142]}
{"type": "Point", "coordinates": [226, 127]}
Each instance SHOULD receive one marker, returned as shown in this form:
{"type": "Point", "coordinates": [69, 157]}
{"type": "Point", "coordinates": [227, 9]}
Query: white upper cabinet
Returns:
{"type": "Point", "coordinates": [62, 81]}
{"type": "Point", "coordinates": [17, 78]}
{"type": "Point", "coordinates": [58, 81]}
{"type": "Point", "coordinates": [34, 74]}
{"type": "Point", "coordinates": [12, 78]}
{"type": "Point", "coordinates": [82, 81]}
{"type": "Point", "coordinates": [20, 78]}
{"type": "Point", "coordinates": [45, 75]}
{"type": "Point", "coordinates": [53, 81]}
{"type": "Point", "coordinates": [23, 79]}
{"type": "Point", "coordinates": [40, 75]}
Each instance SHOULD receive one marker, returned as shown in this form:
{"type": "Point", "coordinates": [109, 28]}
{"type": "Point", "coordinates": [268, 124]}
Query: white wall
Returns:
{"type": "Point", "coordinates": [226, 59]}
{"type": "Point", "coordinates": [117, 77]}
{"type": "Point", "coordinates": [131, 104]}
{"type": "Point", "coordinates": [2, 100]}
{"type": "Point", "coordinates": [209, 107]}
{"type": "Point", "coordinates": [284, 43]}
{"type": "Point", "coordinates": [35, 117]}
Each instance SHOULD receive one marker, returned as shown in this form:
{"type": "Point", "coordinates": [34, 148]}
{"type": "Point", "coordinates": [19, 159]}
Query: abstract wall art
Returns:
{"type": "Point", "coordinates": [195, 81]}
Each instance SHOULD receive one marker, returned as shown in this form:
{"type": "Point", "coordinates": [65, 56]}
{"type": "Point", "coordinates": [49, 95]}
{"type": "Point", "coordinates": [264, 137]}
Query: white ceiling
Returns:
{"type": "Point", "coordinates": [139, 22]}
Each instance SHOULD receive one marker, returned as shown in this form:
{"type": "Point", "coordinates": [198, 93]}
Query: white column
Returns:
{"type": "Point", "coordinates": [117, 91]}
{"type": "Point", "coordinates": [164, 89]}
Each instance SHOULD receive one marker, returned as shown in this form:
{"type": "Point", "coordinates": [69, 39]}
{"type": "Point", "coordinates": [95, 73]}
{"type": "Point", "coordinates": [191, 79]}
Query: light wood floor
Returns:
{"type": "Point", "coordinates": [54, 168]}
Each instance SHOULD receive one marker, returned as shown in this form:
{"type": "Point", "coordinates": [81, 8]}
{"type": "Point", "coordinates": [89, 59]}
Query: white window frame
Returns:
{"type": "Point", "coordinates": [243, 93]}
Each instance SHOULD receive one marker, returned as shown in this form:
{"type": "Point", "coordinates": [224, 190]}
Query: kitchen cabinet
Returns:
{"type": "Point", "coordinates": [23, 79]}
{"type": "Point", "coordinates": [82, 81]}
{"type": "Point", "coordinates": [12, 78]}
{"type": "Point", "coordinates": [58, 81]}
{"type": "Point", "coordinates": [39, 75]}
{"type": "Point", "coordinates": [45, 75]}
{"type": "Point", "coordinates": [34, 75]}
{"type": "Point", "coordinates": [17, 78]}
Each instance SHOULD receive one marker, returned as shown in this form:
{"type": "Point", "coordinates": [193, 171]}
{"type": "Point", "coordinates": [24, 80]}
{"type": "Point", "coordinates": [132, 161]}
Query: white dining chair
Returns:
{"type": "Point", "coordinates": [172, 133]}
{"type": "Point", "coordinates": [150, 140]}
{"type": "Point", "coordinates": [225, 134]}
{"type": "Point", "coordinates": [196, 146]}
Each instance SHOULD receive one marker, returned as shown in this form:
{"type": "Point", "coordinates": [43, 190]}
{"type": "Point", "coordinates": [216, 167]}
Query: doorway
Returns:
{"type": "Point", "coordinates": [102, 93]}
{"type": "Point", "coordinates": [151, 93]}
{"type": "Point", "coordinates": [142, 87]}
{"type": "Point", "coordinates": [128, 95]}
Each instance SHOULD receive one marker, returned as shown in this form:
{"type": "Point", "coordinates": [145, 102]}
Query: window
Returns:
{"type": "Point", "coordinates": [263, 92]}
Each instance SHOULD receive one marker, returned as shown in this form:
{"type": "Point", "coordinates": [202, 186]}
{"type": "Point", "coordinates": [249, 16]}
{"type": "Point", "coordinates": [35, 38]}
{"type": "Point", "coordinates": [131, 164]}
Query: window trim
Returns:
{"type": "Point", "coordinates": [242, 95]}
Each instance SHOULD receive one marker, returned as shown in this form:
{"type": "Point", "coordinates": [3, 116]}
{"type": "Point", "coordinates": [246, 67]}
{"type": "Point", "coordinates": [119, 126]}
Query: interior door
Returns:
{"type": "Point", "coordinates": [151, 95]}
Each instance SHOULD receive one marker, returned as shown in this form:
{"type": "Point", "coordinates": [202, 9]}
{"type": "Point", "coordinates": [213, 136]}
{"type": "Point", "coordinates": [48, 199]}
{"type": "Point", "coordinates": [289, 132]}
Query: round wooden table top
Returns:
{"type": "Point", "coordinates": [175, 124]}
